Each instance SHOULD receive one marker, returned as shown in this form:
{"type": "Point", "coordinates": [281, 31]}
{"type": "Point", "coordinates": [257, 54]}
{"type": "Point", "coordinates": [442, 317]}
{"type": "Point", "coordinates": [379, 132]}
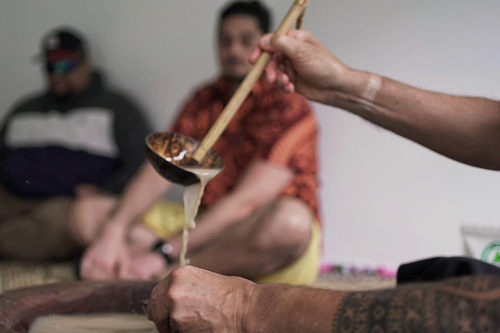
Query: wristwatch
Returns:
{"type": "Point", "coordinates": [164, 249]}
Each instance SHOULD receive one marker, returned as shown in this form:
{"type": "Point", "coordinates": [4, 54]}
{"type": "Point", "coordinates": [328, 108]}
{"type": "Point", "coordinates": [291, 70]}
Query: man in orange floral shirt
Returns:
{"type": "Point", "coordinates": [259, 217]}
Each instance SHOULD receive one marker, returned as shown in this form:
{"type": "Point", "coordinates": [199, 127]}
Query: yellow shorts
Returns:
{"type": "Point", "coordinates": [166, 219]}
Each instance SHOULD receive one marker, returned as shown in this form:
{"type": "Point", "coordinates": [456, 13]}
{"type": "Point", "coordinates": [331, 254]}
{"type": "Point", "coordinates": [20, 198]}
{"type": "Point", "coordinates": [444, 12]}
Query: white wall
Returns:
{"type": "Point", "coordinates": [385, 199]}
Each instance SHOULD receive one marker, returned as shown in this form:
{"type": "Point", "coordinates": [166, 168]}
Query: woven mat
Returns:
{"type": "Point", "coordinates": [353, 283]}
{"type": "Point", "coordinates": [21, 275]}
{"type": "Point", "coordinates": [15, 275]}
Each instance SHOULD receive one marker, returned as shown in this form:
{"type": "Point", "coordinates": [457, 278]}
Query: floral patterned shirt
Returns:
{"type": "Point", "coordinates": [271, 125]}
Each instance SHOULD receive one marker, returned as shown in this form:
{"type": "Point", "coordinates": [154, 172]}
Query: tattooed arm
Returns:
{"type": "Point", "coordinates": [469, 304]}
{"type": "Point", "coordinates": [194, 300]}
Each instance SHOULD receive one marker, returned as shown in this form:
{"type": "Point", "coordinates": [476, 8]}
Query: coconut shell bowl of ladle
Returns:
{"type": "Point", "coordinates": [171, 155]}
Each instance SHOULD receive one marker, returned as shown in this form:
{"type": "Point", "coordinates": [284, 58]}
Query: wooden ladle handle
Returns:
{"type": "Point", "coordinates": [239, 97]}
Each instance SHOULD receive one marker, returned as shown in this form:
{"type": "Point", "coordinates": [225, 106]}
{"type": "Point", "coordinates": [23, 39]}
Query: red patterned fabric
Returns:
{"type": "Point", "coordinates": [270, 125]}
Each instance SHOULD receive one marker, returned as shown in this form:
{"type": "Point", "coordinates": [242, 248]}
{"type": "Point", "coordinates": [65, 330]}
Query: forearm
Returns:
{"type": "Point", "coordinates": [144, 190]}
{"type": "Point", "coordinates": [472, 302]}
{"type": "Point", "coordinates": [465, 129]}
{"type": "Point", "coordinates": [280, 308]}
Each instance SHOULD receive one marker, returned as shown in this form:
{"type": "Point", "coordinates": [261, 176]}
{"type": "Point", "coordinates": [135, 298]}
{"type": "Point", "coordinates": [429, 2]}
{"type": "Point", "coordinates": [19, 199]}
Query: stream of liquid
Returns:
{"type": "Point", "coordinates": [192, 200]}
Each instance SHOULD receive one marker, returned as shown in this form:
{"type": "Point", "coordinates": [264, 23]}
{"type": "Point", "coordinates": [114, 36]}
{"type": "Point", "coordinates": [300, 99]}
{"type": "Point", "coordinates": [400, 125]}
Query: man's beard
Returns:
{"type": "Point", "coordinates": [236, 79]}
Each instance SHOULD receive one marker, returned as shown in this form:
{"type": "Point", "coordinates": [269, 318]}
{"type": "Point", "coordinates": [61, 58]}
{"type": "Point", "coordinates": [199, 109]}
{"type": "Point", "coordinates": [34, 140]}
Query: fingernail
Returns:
{"type": "Point", "coordinates": [266, 41]}
{"type": "Point", "coordinates": [154, 294]}
{"type": "Point", "coordinates": [145, 305]}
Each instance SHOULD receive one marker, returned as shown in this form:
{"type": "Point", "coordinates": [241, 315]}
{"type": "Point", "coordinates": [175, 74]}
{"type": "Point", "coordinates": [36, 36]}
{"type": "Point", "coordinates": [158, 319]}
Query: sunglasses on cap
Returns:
{"type": "Point", "coordinates": [61, 67]}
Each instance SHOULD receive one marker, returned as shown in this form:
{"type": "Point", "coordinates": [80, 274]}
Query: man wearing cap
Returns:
{"type": "Point", "coordinates": [71, 143]}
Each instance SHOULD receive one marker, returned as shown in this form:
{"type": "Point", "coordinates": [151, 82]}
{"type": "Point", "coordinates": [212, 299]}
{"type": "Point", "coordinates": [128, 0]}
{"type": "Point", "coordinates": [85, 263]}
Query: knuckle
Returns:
{"type": "Point", "coordinates": [180, 320]}
{"type": "Point", "coordinates": [176, 274]}
{"type": "Point", "coordinates": [180, 272]}
{"type": "Point", "coordinates": [172, 297]}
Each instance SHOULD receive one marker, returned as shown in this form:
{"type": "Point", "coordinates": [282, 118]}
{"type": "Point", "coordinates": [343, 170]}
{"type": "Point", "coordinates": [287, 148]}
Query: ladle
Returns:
{"type": "Point", "coordinates": [170, 155]}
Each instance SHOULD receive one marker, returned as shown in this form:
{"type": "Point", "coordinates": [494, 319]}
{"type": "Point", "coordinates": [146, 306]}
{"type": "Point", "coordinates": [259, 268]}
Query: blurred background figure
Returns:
{"type": "Point", "coordinates": [71, 143]}
{"type": "Point", "coordinates": [260, 216]}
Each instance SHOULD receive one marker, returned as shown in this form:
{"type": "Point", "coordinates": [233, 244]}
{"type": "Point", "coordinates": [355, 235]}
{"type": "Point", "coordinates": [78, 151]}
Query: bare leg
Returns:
{"type": "Point", "coordinates": [87, 217]}
{"type": "Point", "coordinates": [270, 239]}
{"type": "Point", "coordinates": [38, 233]}
{"type": "Point", "coordinates": [12, 206]}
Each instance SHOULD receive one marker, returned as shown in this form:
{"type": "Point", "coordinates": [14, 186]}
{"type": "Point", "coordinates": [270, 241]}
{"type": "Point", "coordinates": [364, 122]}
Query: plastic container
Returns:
{"type": "Point", "coordinates": [482, 243]}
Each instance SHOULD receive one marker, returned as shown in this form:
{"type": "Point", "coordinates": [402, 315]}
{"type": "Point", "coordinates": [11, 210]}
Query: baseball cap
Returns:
{"type": "Point", "coordinates": [63, 44]}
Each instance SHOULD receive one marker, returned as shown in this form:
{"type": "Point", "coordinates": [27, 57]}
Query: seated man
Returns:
{"type": "Point", "coordinates": [259, 216]}
{"type": "Point", "coordinates": [69, 144]}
